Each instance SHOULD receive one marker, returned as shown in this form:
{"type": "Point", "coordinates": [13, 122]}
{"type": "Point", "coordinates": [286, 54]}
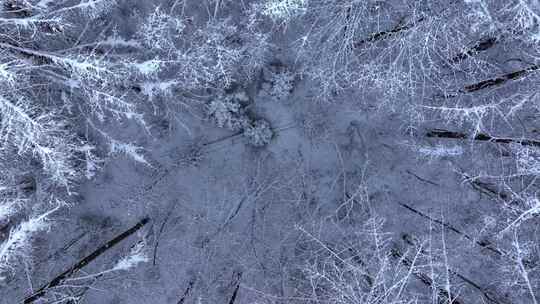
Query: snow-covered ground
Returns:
{"type": "Point", "coordinates": [349, 202]}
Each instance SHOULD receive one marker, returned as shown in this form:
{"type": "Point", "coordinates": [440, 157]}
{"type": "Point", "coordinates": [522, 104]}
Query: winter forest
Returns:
{"type": "Point", "coordinates": [270, 151]}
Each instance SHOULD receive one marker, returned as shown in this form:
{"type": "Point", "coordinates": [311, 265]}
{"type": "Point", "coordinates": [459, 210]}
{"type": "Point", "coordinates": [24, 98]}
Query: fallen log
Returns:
{"type": "Point", "coordinates": [235, 292]}
{"type": "Point", "coordinates": [483, 244]}
{"type": "Point", "coordinates": [440, 133]}
{"type": "Point", "coordinates": [85, 261]}
{"type": "Point", "coordinates": [483, 45]}
{"type": "Point", "coordinates": [186, 292]}
{"type": "Point", "coordinates": [497, 81]}
{"type": "Point", "coordinates": [387, 34]}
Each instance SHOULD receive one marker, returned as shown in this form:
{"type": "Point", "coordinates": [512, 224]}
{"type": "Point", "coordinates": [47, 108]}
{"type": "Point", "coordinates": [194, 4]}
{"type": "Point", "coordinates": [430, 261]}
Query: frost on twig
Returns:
{"type": "Point", "coordinates": [439, 151]}
{"type": "Point", "coordinates": [284, 10]}
{"type": "Point", "coordinates": [18, 244]}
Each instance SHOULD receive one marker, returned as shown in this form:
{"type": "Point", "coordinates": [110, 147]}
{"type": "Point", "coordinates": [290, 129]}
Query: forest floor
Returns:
{"type": "Point", "coordinates": [231, 215]}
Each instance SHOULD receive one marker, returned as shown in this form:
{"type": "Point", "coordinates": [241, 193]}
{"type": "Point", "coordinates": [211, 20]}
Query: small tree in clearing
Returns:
{"type": "Point", "coordinates": [258, 133]}
{"type": "Point", "coordinates": [227, 112]}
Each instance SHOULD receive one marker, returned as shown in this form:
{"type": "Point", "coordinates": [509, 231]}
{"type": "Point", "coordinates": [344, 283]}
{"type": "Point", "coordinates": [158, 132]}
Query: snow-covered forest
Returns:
{"type": "Point", "coordinates": [270, 151]}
